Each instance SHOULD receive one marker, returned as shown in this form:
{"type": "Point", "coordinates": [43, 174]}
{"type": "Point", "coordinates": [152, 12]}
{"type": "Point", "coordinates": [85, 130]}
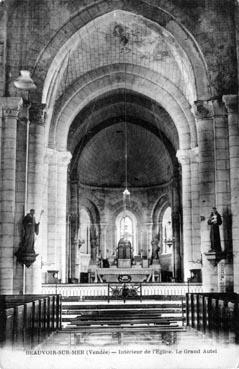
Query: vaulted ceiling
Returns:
{"type": "Point", "coordinates": [96, 136]}
{"type": "Point", "coordinates": [123, 37]}
{"type": "Point", "coordinates": [97, 139]}
{"type": "Point", "coordinates": [102, 161]}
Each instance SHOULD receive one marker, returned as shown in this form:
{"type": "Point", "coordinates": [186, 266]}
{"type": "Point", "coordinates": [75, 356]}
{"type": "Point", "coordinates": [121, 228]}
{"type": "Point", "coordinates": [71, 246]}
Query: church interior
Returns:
{"type": "Point", "coordinates": [119, 161]}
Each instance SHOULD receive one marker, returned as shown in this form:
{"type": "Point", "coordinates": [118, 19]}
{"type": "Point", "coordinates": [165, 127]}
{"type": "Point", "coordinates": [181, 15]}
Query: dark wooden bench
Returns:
{"type": "Point", "coordinates": [27, 320]}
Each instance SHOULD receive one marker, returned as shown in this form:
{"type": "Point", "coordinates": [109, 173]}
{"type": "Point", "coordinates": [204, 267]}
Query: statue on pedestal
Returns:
{"type": "Point", "coordinates": [26, 253]}
{"type": "Point", "coordinates": [155, 248]}
{"type": "Point", "coordinates": [215, 221]}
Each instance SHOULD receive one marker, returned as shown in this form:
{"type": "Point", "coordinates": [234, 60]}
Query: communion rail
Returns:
{"type": "Point", "coordinates": [99, 291]}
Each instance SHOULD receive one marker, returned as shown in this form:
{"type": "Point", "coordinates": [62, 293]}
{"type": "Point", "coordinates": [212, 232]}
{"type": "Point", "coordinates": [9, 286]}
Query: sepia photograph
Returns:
{"type": "Point", "coordinates": [119, 184]}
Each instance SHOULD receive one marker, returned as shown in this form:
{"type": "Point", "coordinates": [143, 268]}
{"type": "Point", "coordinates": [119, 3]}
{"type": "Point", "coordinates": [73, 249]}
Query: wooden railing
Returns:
{"type": "Point", "coordinates": [96, 290]}
{"type": "Point", "coordinates": [214, 313]}
{"type": "Point", "coordinates": [27, 320]}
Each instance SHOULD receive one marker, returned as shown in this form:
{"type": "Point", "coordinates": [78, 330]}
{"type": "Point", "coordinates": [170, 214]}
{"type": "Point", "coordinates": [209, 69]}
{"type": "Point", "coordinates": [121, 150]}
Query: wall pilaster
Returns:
{"type": "Point", "coordinates": [63, 159]}
{"type": "Point", "coordinates": [231, 103]}
{"type": "Point", "coordinates": [9, 115]}
{"type": "Point", "coordinates": [33, 276]}
{"type": "Point", "coordinates": [184, 159]}
{"type": "Point", "coordinates": [203, 112]}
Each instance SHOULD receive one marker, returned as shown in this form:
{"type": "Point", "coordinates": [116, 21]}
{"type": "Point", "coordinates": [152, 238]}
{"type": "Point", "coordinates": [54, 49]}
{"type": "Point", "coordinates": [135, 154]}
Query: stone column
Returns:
{"type": "Point", "coordinates": [74, 227]}
{"type": "Point", "coordinates": [46, 216]}
{"type": "Point", "coordinates": [46, 175]}
{"type": "Point", "coordinates": [176, 228]}
{"type": "Point", "coordinates": [195, 212]}
{"type": "Point", "coordinates": [231, 102]}
{"type": "Point", "coordinates": [103, 246]}
{"type": "Point", "coordinates": [223, 196]}
{"type": "Point", "coordinates": [21, 188]}
{"type": "Point", "coordinates": [184, 159]}
{"type": "Point", "coordinates": [148, 250]}
{"type": "Point", "coordinates": [9, 115]}
{"type": "Point", "coordinates": [203, 111]}
{"type": "Point", "coordinates": [35, 188]}
{"type": "Point", "coordinates": [63, 159]}
{"type": "Point", "coordinates": [52, 211]}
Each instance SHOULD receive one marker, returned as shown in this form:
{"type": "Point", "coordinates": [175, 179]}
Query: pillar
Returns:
{"type": "Point", "coordinates": [35, 188]}
{"type": "Point", "coordinates": [176, 227]}
{"type": "Point", "coordinates": [21, 188]}
{"type": "Point", "coordinates": [184, 159]}
{"type": "Point", "coordinates": [149, 227]}
{"type": "Point", "coordinates": [52, 211]}
{"type": "Point", "coordinates": [231, 102]}
{"type": "Point", "coordinates": [195, 210]}
{"type": "Point", "coordinates": [63, 159]}
{"type": "Point", "coordinates": [74, 229]}
{"type": "Point", "coordinates": [203, 112]}
{"type": "Point", "coordinates": [223, 196]}
{"type": "Point", "coordinates": [45, 219]}
{"type": "Point", "coordinates": [103, 246]}
{"type": "Point", "coordinates": [9, 115]}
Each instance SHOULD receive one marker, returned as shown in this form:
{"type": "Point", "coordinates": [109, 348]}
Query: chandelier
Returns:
{"type": "Point", "coordinates": [126, 192]}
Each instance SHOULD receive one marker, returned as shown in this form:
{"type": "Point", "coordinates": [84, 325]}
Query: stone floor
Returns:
{"type": "Point", "coordinates": [143, 348]}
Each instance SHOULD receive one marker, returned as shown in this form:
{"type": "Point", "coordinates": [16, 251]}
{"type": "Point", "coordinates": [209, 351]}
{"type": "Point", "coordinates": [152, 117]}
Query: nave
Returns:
{"type": "Point", "coordinates": [93, 333]}
{"type": "Point", "coordinates": [119, 177]}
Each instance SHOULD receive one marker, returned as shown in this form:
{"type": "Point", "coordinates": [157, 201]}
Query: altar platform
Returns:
{"type": "Point", "coordinates": [132, 274]}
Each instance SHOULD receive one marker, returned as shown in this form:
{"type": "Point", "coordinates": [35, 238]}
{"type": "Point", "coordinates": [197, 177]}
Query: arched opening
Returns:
{"type": "Point", "coordinates": [126, 228]}
{"type": "Point", "coordinates": [149, 93]}
{"type": "Point", "coordinates": [167, 232]}
{"type": "Point", "coordinates": [84, 231]}
{"type": "Point", "coordinates": [82, 247]}
{"type": "Point", "coordinates": [128, 140]}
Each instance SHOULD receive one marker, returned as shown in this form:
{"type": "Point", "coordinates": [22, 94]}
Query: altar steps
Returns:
{"type": "Point", "coordinates": [164, 314]}
{"type": "Point", "coordinates": [127, 328]}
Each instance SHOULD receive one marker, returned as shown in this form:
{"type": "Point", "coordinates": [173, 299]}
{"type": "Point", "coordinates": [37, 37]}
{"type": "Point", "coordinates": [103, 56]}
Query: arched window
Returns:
{"type": "Point", "coordinates": [84, 231]}
{"type": "Point", "coordinates": [167, 231]}
{"type": "Point", "coordinates": [126, 226]}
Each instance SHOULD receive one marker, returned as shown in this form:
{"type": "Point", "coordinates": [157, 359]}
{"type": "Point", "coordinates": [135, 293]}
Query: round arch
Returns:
{"type": "Point", "coordinates": [154, 14]}
{"type": "Point", "coordinates": [157, 212]}
{"type": "Point", "coordinates": [110, 107]}
{"type": "Point", "coordinates": [157, 88]}
{"type": "Point", "coordinates": [91, 208]}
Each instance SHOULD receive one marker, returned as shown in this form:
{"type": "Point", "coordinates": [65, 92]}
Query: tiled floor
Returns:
{"type": "Point", "coordinates": [143, 348]}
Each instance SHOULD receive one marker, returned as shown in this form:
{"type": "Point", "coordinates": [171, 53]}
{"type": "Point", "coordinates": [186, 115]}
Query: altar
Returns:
{"type": "Point", "coordinates": [124, 267]}
{"type": "Point", "coordinates": [133, 274]}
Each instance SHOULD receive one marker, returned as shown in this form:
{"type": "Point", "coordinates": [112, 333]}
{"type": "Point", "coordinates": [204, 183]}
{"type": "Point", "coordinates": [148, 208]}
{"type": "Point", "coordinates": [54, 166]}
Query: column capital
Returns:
{"type": "Point", "coordinates": [37, 113]}
{"type": "Point", "coordinates": [231, 103]}
{"type": "Point", "coordinates": [10, 112]}
{"type": "Point", "coordinates": [184, 156]}
{"type": "Point", "coordinates": [10, 106]}
{"type": "Point", "coordinates": [64, 158]}
{"type": "Point", "coordinates": [202, 109]}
